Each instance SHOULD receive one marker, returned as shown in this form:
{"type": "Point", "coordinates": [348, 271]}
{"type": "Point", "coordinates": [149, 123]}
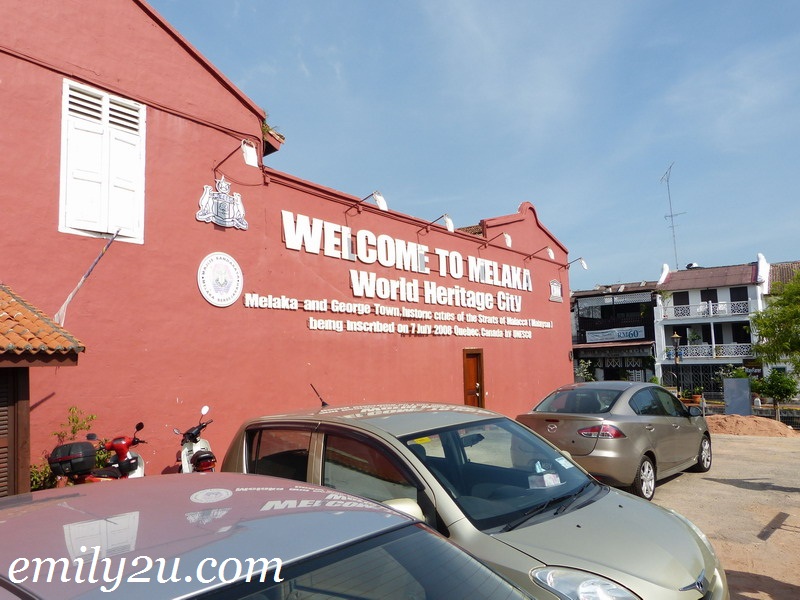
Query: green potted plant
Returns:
{"type": "Point", "coordinates": [693, 337]}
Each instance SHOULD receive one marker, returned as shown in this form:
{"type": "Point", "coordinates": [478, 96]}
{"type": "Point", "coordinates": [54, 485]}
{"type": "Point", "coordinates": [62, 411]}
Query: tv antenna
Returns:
{"type": "Point", "coordinates": [671, 216]}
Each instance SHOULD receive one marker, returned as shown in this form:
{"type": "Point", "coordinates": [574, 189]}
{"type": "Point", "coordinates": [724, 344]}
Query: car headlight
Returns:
{"type": "Point", "coordinates": [570, 584]}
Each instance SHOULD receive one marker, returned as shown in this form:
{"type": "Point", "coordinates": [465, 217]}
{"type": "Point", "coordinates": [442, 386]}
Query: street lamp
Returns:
{"type": "Point", "coordinates": [676, 340]}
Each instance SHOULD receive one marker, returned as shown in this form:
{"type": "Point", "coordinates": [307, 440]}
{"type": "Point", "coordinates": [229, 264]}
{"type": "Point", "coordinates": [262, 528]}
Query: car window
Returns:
{"type": "Point", "coordinates": [277, 451]}
{"type": "Point", "coordinates": [555, 402]}
{"type": "Point", "coordinates": [496, 470]}
{"type": "Point", "coordinates": [672, 405]}
{"type": "Point", "coordinates": [579, 401]}
{"type": "Point", "coordinates": [479, 446]}
{"type": "Point", "coordinates": [359, 467]}
{"type": "Point", "coordinates": [403, 564]}
{"type": "Point", "coordinates": [433, 447]}
{"type": "Point", "coordinates": [646, 404]}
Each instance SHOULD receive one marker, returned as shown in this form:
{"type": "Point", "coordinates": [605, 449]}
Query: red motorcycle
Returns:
{"type": "Point", "coordinates": [76, 460]}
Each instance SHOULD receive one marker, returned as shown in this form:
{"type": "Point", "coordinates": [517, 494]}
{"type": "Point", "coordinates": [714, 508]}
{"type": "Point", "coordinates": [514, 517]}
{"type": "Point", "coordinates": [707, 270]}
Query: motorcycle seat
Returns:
{"type": "Point", "coordinates": [108, 473]}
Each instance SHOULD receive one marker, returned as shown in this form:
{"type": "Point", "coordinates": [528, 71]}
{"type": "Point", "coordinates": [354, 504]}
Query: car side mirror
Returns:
{"type": "Point", "coordinates": [407, 506]}
{"type": "Point", "coordinates": [694, 411]}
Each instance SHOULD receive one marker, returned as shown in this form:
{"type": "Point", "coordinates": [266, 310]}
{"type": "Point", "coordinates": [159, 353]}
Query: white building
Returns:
{"type": "Point", "coordinates": [704, 313]}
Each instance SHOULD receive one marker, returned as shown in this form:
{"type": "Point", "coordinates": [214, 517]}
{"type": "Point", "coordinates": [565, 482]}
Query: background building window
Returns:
{"type": "Point", "coordinates": [102, 164]}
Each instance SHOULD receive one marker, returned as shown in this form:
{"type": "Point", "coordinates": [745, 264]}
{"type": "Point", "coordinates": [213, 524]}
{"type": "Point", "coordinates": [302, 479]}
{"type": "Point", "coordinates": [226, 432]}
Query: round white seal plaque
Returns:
{"type": "Point", "coordinates": [210, 495]}
{"type": "Point", "coordinates": [220, 279]}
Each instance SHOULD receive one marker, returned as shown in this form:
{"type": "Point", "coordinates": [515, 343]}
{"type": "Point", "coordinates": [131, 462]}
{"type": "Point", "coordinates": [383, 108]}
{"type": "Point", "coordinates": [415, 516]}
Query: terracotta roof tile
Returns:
{"type": "Point", "coordinates": [24, 329]}
{"type": "Point", "coordinates": [472, 229]}
{"type": "Point", "coordinates": [711, 277]}
{"type": "Point", "coordinates": [783, 272]}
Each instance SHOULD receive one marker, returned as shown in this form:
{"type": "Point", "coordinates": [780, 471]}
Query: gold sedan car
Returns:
{"type": "Point", "coordinates": [624, 433]}
{"type": "Point", "coordinates": [498, 490]}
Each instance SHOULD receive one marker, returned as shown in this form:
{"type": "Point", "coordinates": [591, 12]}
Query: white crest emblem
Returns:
{"type": "Point", "coordinates": [220, 279]}
{"type": "Point", "coordinates": [222, 208]}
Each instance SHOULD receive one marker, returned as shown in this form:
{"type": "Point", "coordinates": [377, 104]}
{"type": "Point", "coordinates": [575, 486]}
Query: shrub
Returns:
{"type": "Point", "coordinates": [77, 421]}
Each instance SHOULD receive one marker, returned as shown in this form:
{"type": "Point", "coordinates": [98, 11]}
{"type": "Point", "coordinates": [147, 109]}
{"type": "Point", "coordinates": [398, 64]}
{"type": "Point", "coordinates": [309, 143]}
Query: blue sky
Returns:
{"type": "Point", "coordinates": [473, 107]}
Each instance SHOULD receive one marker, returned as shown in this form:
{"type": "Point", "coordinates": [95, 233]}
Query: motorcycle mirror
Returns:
{"type": "Point", "coordinates": [204, 410]}
{"type": "Point", "coordinates": [139, 426]}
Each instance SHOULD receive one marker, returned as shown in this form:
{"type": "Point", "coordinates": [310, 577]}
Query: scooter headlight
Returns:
{"type": "Point", "coordinates": [571, 584]}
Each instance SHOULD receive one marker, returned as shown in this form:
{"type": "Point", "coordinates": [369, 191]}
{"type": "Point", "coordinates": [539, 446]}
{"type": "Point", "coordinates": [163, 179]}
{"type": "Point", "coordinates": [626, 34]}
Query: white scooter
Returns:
{"type": "Point", "coordinates": [196, 454]}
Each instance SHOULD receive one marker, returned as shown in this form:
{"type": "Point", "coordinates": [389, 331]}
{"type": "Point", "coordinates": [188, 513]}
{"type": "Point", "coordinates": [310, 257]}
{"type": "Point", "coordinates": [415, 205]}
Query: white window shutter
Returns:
{"type": "Point", "coordinates": [85, 207]}
{"type": "Point", "coordinates": [126, 189]}
{"type": "Point", "coordinates": [103, 147]}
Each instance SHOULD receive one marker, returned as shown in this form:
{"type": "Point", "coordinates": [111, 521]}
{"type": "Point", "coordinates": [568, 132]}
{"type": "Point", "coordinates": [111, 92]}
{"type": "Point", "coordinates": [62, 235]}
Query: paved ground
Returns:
{"type": "Point", "coordinates": [748, 505]}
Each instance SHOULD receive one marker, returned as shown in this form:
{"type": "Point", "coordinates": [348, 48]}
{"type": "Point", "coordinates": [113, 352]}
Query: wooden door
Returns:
{"type": "Point", "coordinates": [473, 377]}
{"type": "Point", "coordinates": [15, 476]}
{"type": "Point", "coordinates": [6, 426]}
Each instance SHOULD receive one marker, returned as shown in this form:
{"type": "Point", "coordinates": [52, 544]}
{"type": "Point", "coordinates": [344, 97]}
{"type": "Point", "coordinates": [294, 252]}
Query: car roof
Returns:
{"type": "Point", "coordinates": [607, 385]}
{"type": "Point", "coordinates": [397, 419]}
{"type": "Point", "coordinates": [188, 516]}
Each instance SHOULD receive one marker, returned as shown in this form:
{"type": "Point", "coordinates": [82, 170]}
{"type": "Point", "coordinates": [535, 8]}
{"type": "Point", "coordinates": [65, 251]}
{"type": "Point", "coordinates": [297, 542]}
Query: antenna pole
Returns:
{"type": "Point", "coordinates": [324, 404]}
{"type": "Point", "coordinates": [671, 216]}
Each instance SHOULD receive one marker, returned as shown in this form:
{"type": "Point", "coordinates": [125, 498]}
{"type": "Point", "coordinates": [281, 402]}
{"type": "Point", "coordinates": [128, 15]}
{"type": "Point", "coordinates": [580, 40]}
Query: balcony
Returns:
{"type": "Point", "coordinates": [706, 310]}
{"type": "Point", "coordinates": [722, 351]}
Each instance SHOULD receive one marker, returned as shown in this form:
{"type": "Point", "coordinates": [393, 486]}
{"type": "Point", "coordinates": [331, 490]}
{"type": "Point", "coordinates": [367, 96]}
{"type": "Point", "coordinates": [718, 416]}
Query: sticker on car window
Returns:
{"type": "Point", "coordinates": [543, 480]}
{"type": "Point", "coordinates": [422, 440]}
{"type": "Point", "coordinates": [564, 463]}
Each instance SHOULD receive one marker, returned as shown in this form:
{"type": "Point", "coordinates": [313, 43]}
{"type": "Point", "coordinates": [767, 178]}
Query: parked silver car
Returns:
{"type": "Point", "coordinates": [497, 489]}
{"type": "Point", "coordinates": [624, 433]}
{"type": "Point", "coordinates": [227, 536]}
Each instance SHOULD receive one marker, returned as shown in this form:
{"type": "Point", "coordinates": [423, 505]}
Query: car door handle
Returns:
{"type": "Point", "coordinates": [649, 428]}
{"type": "Point", "coordinates": [676, 425]}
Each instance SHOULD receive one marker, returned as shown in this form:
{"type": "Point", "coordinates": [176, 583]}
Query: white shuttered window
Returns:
{"type": "Point", "coordinates": [102, 164]}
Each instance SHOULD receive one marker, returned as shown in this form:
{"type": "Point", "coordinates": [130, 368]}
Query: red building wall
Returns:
{"type": "Point", "coordinates": [156, 348]}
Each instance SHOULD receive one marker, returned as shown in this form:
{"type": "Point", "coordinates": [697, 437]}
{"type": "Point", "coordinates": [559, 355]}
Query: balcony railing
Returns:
{"type": "Point", "coordinates": [709, 351]}
{"type": "Point", "coordinates": [707, 309]}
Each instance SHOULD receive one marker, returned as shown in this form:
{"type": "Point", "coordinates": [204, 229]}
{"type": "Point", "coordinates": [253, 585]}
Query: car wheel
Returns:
{"type": "Point", "coordinates": [644, 485]}
{"type": "Point", "coordinates": [703, 456]}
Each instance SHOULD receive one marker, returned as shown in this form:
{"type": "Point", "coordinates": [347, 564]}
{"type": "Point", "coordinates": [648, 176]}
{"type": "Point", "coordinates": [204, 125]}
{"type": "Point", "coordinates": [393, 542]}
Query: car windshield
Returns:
{"type": "Point", "coordinates": [410, 562]}
{"type": "Point", "coordinates": [579, 401]}
{"type": "Point", "coordinates": [497, 471]}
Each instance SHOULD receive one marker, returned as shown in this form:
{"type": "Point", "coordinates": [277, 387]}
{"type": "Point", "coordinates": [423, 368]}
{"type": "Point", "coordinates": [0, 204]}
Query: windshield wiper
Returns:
{"type": "Point", "coordinates": [535, 510]}
{"type": "Point", "coordinates": [563, 508]}
{"type": "Point", "coordinates": [540, 508]}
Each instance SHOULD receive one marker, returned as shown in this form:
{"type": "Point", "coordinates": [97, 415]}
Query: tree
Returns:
{"type": "Point", "coordinates": [778, 326]}
{"type": "Point", "coordinates": [778, 385]}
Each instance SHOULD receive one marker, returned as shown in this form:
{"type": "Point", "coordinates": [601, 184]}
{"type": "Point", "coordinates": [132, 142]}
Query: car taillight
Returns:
{"type": "Point", "coordinates": [603, 432]}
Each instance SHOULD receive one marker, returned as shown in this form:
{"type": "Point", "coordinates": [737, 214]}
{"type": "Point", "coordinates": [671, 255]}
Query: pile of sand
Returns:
{"type": "Point", "coordinates": [749, 425]}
